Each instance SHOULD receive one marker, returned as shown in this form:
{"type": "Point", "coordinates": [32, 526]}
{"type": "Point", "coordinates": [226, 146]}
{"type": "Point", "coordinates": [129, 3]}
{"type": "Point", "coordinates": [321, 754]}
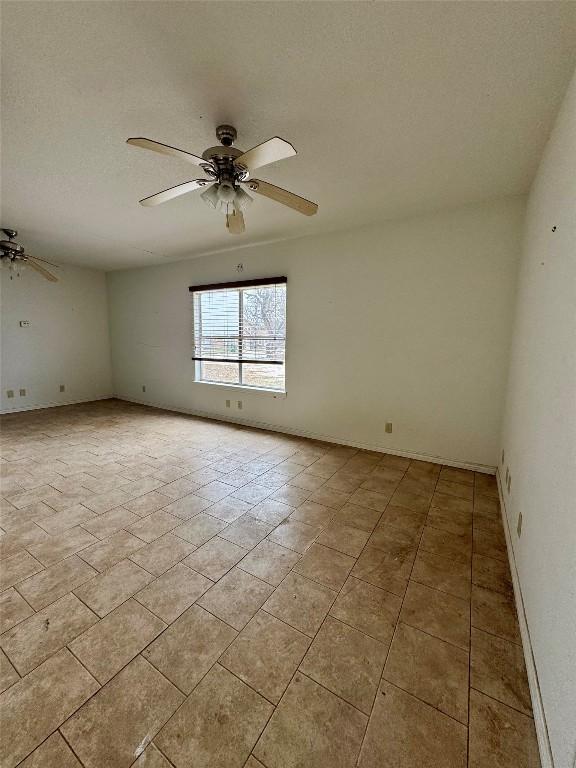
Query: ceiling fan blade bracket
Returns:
{"type": "Point", "coordinates": [209, 169]}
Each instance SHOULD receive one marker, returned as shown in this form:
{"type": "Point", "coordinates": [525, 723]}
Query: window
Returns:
{"type": "Point", "coordinates": [240, 333]}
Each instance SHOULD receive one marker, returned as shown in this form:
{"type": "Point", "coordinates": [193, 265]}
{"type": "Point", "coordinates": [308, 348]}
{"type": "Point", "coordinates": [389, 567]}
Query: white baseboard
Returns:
{"type": "Point", "coordinates": [546, 759]}
{"type": "Point", "coordinates": [40, 406]}
{"type": "Point", "coordinates": [487, 469]}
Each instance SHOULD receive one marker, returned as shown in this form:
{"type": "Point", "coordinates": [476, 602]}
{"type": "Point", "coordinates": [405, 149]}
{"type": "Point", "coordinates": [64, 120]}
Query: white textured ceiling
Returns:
{"type": "Point", "coordinates": [395, 109]}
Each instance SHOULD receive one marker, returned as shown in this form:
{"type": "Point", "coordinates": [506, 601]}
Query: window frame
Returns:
{"type": "Point", "coordinates": [239, 286]}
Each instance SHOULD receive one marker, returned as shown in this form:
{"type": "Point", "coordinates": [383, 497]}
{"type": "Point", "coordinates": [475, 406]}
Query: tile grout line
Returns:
{"type": "Point", "coordinates": [156, 747]}
{"type": "Point", "coordinates": [432, 706]}
{"type": "Point", "coordinates": [70, 747]}
{"type": "Point", "coordinates": [499, 701]}
{"type": "Point", "coordinates": [493, 634]}
{"type": "Point", "coordinates": [429, 634]}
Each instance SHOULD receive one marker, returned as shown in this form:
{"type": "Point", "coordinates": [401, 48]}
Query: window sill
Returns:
{"type": "Point", "coordinates": [278, 394]}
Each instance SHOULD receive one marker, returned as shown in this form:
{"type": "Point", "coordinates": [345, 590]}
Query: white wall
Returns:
{"type": "Point", "coordinates": [539, 435]}
{"type": "Point", "coordinates": [67, 341]}
{"type": "Point", "coordinates": [408, 322]}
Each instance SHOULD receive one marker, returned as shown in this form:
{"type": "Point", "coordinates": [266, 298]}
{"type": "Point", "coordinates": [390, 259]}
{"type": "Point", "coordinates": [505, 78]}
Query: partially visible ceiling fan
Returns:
{"type": "Point", "coordinates": [230, 170]}
{"type": "Point", "coordinates": [14, 255]}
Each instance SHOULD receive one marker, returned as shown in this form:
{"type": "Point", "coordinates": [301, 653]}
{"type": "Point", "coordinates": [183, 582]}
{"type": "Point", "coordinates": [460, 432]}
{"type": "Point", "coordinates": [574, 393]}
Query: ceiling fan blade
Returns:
{"type": "Point", "coordinates": [235, 223]}
{"type": "Point", "coordinates": [40, 269]}
{"type": "Point", "coordinates": [300, 204]}
{"type": "Point", "coordinates": [165, 149]}
{"type": "Point", "coordinates": [268, 152]}
{"type": "Point", "coordinates": [172, 192]}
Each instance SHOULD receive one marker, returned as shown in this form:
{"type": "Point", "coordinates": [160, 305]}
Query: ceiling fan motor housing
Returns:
{"type": "Point", "coordinates": [8, 248]}
{"type": "Point", "coordinates": [226, 135]}
{"type": "Point", "coordinates": [223, 156]}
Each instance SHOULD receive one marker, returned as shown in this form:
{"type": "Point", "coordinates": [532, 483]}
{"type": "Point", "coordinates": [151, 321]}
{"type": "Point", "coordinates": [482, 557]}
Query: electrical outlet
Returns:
{"type": "Point", "coordinates": [9, 393]}
{"type": "Point", "coordinates": [388, 427]}
{"type": "Point", "coordinates": [24, 323]}
{"type": "Point", "coordinates": [227, 403]}
{"type": "Point", "coordinates": [519, 525]}
{"type": "Point", "coordinates": [143, 387]}
{"type": "Point", "coordinates": [239, 405]}
{"type": "Point", "coordinates": [62, 388]}
{"type": "Point", "coordinates": [22, 393]}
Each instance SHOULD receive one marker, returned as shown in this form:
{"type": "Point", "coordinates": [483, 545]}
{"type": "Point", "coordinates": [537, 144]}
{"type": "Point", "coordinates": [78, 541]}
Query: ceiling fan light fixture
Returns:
{"type": "Point", "coordinates": [220, 197]}
{"type": "Point", "coordinates": [242, 200]}
{"type": "Point", "coordinates": [226, 192]}
{"type": "Point", "coordinates": [210, 196]}
{"type": "Point", "coordinates": [225, 197]}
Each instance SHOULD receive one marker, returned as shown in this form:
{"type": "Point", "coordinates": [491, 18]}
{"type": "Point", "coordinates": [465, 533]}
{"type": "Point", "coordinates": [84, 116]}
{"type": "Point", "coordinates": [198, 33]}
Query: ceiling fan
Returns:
{"type": "Point", "coordinates": [14, 255]}
{"type": "Point", "coordinates": [229, 170]}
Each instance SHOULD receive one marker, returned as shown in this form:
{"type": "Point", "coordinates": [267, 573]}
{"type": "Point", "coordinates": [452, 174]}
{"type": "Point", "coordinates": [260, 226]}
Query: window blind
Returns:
{"type": "Point", "coordinates": [240, 322]}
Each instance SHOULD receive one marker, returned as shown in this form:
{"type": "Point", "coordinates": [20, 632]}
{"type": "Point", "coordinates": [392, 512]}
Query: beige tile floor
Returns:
{"type": "Point", "coordinates": [179, 592]}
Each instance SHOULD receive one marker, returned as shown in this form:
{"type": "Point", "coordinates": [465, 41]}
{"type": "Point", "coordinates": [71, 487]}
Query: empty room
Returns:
{"type": "Point", "coordinates": [288, 384]}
